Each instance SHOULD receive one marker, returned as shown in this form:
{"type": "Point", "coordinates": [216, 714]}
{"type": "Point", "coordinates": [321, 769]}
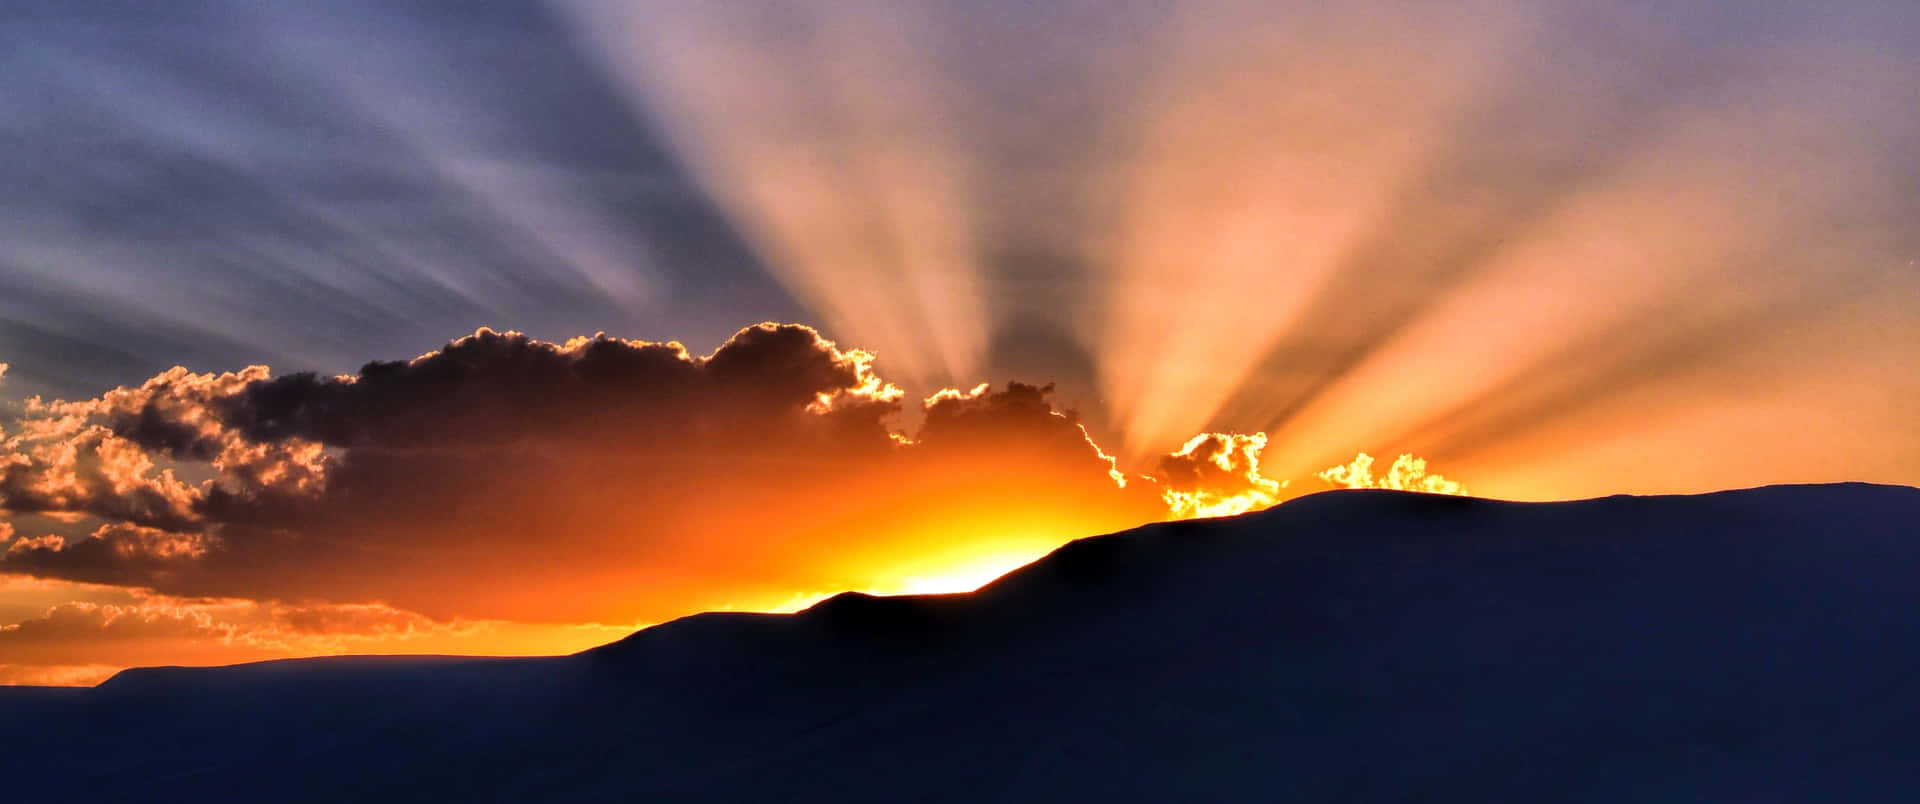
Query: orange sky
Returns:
{"type": "Point", "coordinates": [506, 495]}
{"type": "Point", "coordinates": [1227, 251]}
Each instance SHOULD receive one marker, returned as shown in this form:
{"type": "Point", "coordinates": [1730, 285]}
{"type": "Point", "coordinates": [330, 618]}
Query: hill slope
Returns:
{"type": "Point", "coordinates": [1352, 646]}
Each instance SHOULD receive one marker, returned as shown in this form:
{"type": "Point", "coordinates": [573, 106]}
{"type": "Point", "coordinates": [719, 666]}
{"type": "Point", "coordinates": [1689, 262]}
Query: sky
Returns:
{"type": "Point", "coordinates": [508, 328]}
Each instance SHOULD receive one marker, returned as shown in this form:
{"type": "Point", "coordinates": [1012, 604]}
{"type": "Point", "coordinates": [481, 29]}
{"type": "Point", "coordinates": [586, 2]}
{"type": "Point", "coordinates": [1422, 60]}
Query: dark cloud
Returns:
{"type": "Point", "coordinates": [1036, 349]}
{"type": "Point", "coordinates": [493, 389]}
{"type": "Point", "coordinates": [120, 554]}
{"type": "Point", "coordinates": [598, 479]}
{"type": "Point", "coordinates": [1021, 412]}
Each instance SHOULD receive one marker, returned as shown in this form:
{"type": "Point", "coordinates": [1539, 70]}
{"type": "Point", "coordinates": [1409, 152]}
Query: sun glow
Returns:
{"type": "Point", "coordinates": [958, 562]}
{"type": "Point", "coordinates": [1212, 475]}
{"type": "Point", "coordinates": [937, 577]}
{"type": "Point", "coordinates": [964, 576]}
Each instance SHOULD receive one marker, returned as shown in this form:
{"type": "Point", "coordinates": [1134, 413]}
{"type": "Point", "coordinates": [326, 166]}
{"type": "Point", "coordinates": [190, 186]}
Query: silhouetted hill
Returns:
{"type": "Point", "coordinates": [1352, 646]}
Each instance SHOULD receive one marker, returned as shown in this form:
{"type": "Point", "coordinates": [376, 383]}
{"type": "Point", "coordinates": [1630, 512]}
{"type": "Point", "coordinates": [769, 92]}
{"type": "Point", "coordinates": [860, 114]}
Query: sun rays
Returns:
{"type": "Point", "coordinates": [1244, 227]}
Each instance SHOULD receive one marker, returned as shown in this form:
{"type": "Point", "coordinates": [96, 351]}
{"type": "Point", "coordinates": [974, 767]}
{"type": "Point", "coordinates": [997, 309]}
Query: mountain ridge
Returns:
{"type": "Point", "coordinates": [842, 599]}
{"type": "Point", "coordinates": [1356, 645]}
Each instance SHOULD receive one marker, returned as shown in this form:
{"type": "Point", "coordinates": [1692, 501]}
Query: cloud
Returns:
{"type": "Point", "coordinates": [1217, 474]}
{"type": "Point", "coordinates": [139, 632]}
{"type": "Point", "coordinates": [493, 389]}
{"type": "Point", "coordinates": [504, 477]}
{"type": "Point", "coordinates": [498, 493]}
{"type": "Point", "coordinates": [121, 553]}
{"type": "Point", "coordinates": [107, 622]}
{"type": "Point", "coordinates": [27, 544]}
{"type": "Point", "coordinates": [115, 457]}
{"type": "Point", "coordinates": [159, 629]}
{"type": "Point", "coordinates": [82, 675]}
{"type": "Point", "coordinates": [1407, 474]}
{"type": "Point", "coordinates": [58, 632]}
{"type": "Point", "coordinates": [1020, 418]}
{"type": "Point", "coordinates": [357, 619]}
{"type": "Point", "coordinates": [62, 466]}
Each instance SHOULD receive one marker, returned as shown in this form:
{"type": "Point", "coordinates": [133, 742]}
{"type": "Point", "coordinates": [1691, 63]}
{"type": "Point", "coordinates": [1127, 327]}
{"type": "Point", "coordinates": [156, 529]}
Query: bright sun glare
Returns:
{"type": "Point", "coordinates": [962, 577]}
{"type": "Point", "coordinates": [941, 577]}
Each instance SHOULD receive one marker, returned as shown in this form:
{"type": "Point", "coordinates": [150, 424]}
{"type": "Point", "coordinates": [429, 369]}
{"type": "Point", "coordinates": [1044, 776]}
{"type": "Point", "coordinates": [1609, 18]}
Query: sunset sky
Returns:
{"type": "Point", "coordinates": [299, 301]}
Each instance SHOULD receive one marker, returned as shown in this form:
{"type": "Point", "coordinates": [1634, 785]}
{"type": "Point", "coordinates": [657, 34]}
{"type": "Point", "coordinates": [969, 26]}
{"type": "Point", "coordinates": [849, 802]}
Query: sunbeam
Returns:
{"type": "Point", "coordinates": [444, 326]}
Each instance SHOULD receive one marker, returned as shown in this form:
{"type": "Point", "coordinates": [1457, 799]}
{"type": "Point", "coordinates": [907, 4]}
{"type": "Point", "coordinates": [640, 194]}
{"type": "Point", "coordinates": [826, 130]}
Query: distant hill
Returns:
{"type": "Point", "coordinates": [1745, 646]}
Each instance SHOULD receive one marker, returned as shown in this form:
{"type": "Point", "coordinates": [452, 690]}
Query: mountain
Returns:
{"type": "Point", "coordinates": [1745, 646]}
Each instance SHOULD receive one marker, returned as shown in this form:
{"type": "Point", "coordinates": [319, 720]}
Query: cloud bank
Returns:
{"type": "Point", "coordinates": [503, 478]}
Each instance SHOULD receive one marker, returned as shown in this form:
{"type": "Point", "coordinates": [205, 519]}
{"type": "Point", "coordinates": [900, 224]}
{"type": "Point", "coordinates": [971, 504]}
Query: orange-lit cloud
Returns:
{"type": "Point", "coordinates": [101, 629]}
{"type": "Point", "coordinates": [505, 494]}
{"type": "Point", "coordinates": [1217, 474]}
{"type": "Point", "coordinates": [93, 472]}
{"type": "Point", "coordinates": [102, 457]}
{"type": "Point", "coordinates": [504, 477]}
{"type": "Point", "coordinates": [1406, 474]}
